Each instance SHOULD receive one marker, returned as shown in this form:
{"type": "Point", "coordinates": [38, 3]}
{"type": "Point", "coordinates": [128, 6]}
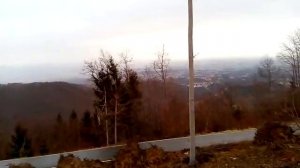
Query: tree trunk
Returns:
{"type": "Point", "coordinates": [106, 122]}
{"type": "Point", "coordinates": [298, 69]}
{"type": "Point", "coordinates": [116, 111]}
{"type": "Point", "coordinates": [270, 78]}
{"type": "Point", "coordinates": [165, 87]}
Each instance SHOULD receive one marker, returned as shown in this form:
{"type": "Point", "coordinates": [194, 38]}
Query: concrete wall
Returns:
{"type": "Point", "coordinates": [107, 153]}
{"type": "Point", "coordinates": [225, 137]}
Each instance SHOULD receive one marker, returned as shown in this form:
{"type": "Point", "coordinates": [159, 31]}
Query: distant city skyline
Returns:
{"type": "Point", "coordinates": [74, 73]}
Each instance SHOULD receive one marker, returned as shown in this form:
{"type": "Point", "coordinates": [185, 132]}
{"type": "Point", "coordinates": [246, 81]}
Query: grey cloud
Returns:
{"type": "Point", "coordinates": [252, 8]}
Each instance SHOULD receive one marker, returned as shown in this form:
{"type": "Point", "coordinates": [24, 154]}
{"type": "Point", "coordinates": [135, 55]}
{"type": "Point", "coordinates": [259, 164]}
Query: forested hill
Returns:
{"type": "Point", "coordinates": [36, 102]}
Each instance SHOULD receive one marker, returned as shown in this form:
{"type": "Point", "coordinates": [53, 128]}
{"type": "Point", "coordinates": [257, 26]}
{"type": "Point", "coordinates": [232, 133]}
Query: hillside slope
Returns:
{"type": "Point", "coordinates": [41, 102]}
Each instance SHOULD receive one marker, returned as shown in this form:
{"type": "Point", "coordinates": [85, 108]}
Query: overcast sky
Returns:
{"type": "Point", "coordinates": [35, 31]}
{"type": "Point", "coordinates": [61, 31]}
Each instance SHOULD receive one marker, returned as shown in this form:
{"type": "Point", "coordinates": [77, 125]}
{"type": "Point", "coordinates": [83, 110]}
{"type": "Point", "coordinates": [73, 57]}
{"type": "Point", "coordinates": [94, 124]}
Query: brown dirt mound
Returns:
{"type": "Point", "coordinates": [70, 161]}
{"type": "Point", "coordinates": [129, 156]}
{"type": "Point", "coordinates": [245, 155]}
{"type": "Point", "coordinates": [23, 165]}
{"type": "Point", "coordinates": [154, 157]}
{"type": "Point", "coordinates": [274, 133]}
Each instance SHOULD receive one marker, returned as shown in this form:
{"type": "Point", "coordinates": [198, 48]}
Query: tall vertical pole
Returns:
{"type": "Point", "coordinates": [191, 84]}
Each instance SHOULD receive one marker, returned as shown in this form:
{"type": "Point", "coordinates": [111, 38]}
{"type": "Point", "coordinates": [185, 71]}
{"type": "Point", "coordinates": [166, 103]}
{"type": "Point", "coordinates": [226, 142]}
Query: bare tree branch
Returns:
{"type": "Point", "coordinates": [161, 67]}
{"type": "Point", "coordinates": [267, 70]}
{"type": "Point", "coordinates": [291, 57]}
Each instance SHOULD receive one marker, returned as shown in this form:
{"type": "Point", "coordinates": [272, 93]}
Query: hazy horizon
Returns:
{"type": "Point", "coordinates": [74, 73]}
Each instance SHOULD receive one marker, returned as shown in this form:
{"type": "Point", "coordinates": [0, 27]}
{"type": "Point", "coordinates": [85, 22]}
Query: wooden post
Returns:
{"type": "Point", "coordinates": [191, 84]}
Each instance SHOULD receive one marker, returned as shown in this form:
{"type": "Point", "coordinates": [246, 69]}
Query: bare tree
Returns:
{"type": "Point", "coordinates": [294, 113]}
{"type": "Point", "coordinates": [291, 57]}
{"type": "Point", "coordinates": [147, 73]}
{"type": "Point", "coordinates": [267, 69]}
{"type": "Point", "coordinates": [291, 106]}
{"type": "Point", "coordinates": [126, 60]}
{"type": "Point", "coordinates": [161, 66]}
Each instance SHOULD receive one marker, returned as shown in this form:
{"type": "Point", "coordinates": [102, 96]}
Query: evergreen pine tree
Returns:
{"type": "Point", "coordinates": [118, 98]}
{"type": "Point", "coordinates": [20, 143]}
{"type": "Point", "coordinates": [131, 104]}
{"type": "Point", "coordinates": [58, 144]}
{"type": "Point", "coordinates": [73, 130]}
{"type": "Point", "coordinates": [86, 128]}
{"type": "Point", "coordinates": [43, 149]}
